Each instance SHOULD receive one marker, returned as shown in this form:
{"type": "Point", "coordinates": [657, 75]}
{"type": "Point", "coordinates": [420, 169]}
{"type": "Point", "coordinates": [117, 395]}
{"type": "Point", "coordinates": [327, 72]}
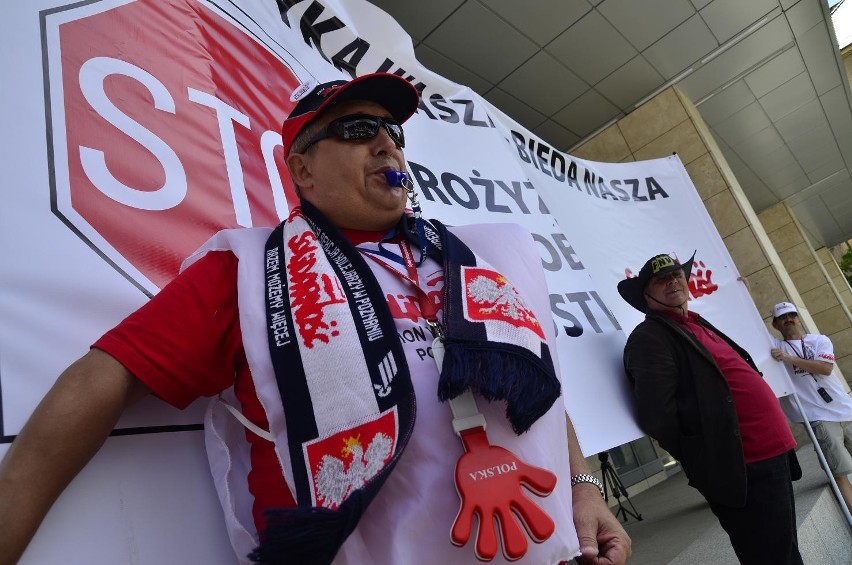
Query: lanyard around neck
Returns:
{"type": "Point", "coordinates": [427, 308]}
{"type": "Point", "coordinates": [801, 356]}
{"type": "Point", "coordinates": [420, 231]}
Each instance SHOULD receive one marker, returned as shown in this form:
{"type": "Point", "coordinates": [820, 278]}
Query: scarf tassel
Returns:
{"type": "Point", "coordinates": [308, 536]}
{"type": "Point", "coordinates": [499, 374]}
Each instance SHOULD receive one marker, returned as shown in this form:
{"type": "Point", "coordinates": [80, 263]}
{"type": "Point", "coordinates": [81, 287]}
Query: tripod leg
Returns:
{"type": "Point", "coordinates": [610, 476]}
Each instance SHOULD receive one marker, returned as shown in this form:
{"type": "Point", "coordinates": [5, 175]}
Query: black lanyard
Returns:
{"type": "Point", "coordinates": [802, 356]}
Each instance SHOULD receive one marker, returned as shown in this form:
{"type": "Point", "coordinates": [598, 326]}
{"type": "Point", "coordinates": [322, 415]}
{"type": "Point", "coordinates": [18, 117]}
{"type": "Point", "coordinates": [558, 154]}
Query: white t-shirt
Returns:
{"type": "Point", "coordinates": [818, 348]}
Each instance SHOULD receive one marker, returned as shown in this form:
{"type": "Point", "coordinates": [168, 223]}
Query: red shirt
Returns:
{"type": "Point", "coordinates": [201, 354]}
{"type": "Point", "coordinates": [763, 427]}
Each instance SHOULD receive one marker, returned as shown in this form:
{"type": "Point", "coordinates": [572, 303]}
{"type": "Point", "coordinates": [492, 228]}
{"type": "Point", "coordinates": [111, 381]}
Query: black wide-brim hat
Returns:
{"type": "Point", "coordinates": [632, 290]}
{"type": "Point", "coordinates": [392, 92]}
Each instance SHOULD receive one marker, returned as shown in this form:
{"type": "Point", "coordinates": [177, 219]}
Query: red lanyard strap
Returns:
{"type": "Point", "coordinates": [427, 308]}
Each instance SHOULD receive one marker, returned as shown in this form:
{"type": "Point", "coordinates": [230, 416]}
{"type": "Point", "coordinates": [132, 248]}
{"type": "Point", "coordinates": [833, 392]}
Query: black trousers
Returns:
{"type": "Point", "coordinates": [764, 531]}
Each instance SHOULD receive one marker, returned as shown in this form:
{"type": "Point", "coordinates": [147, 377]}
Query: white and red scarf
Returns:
{"type": "Point", "coordinates": [344, 381]}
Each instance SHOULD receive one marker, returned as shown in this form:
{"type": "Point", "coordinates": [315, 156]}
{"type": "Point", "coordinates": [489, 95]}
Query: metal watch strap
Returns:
{"type": "Point", "coordinates": [587, 478]}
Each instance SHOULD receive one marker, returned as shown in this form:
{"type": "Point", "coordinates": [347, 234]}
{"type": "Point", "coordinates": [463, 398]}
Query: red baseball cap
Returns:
{"type": "Point", "coordinates": [394, 93]}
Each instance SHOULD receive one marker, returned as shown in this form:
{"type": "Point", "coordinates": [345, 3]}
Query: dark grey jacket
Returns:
{"type": "Point", "coordinates": [684, 402]}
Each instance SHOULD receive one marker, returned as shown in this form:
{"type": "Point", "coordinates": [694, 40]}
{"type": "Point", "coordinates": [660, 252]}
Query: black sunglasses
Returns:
{"type": "Point", "coordinates": [357, 127]}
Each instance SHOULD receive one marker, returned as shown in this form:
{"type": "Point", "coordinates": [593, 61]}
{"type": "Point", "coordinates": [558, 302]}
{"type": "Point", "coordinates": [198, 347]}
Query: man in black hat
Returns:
{"type": "Point", "coordinates": [702, 398]}
{"type": "Point", "coordinates": [311, 435]}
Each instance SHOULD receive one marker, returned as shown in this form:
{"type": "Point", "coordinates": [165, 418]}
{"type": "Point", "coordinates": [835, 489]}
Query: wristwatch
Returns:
{"type": "Point", "coordinates": [587, 478]}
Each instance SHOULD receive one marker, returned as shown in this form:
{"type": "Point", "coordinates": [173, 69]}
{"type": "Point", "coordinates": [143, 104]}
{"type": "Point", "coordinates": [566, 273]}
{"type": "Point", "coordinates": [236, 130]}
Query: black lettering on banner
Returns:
{"type": "Point", "coordinates": [537, 157]}
{"type": "Point", "coordinates": [515, 192]}
{"type": "Point", "coordinates": [581, 298]}
{"type": "Point", "coordinates": [542, 150]}
{"type": "Point", "coordinates": [400, 72]}
{"type": "Point", "coordinates": [490, 204]}
{"type": "Point", "coordinates": [532, 152]}
{"type": "Point", "coordinates": [469, 195]}
{"type": "Point", "coordinates": [558, 172]}
{"type": "Point", "coordinates": [468, 114]}
{"type": "Point", "coordinates": [308, 25]}
{"type": "Point", "coordinates": [422, 107]}
{"type": "Point", "coordinates": [542, 207]}
{"type": "Point", "coordinates": [535, 153]}
{"type": "Point", "coordinates": [283, 6]}
{"type": "Point", "coordinates": [589, 180]}
{"type": "Point", "coordinates": [654, 188]}
{"type": "Point", "coordinates": [576, 328]}
{"type": "Point", "coordinates": [558, 305]}
{"type": "Point", "coordinates": [448, 179]}
{"type": "Point", "coordinates": [450, 115]}
{"type": "Point", "coordinates": [566, 252]}
{"type": "Point", "coordinates": [603, 307]}
{"type": "Point", "coordinates": [634, 183]}
{"type": "Point", "coordinates": [427, 182]}
{"type": "Point", "coordinates": [553, 264]}
{"type": "Point", "coordinates": [616, 186]}
{"type": "Point", "coordinates": [350, 56]}
{"type": "Point", "coordinates": [355, 52]}
{"type": "Point", "coordinates": [604, 190]}
{"type": "Point", "coordinates": [571, 176]}
{"type": "Point", "coordinates": [519, 145]}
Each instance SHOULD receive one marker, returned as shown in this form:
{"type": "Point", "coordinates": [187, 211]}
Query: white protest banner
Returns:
{"type": "Point", "coordinates": [137, 129]}
{"type": "Point", "coordinates": [633, 211]}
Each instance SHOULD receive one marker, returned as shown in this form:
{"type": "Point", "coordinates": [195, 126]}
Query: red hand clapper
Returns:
{"type": "Point", "coordinates": [489, 480]}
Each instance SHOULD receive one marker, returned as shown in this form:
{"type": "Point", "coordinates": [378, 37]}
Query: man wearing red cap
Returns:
{"type": "Point", "coordinates": [702, 398]}
{"type": "Point", "coordinates": [809, 358]}
{"type": "Point", "coordinates": [311, 434]}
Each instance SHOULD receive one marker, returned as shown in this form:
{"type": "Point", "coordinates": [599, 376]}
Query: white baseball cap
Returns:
{"type": "Point", "coordinates": [783, 308]}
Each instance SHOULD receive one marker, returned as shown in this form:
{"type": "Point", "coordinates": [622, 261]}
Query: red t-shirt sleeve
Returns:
{"type": "Point", "coordinates": [185, 342]}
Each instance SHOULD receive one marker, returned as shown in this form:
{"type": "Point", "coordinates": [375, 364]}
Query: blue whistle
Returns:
{"type": "Point", "coordinates": [396, 178]}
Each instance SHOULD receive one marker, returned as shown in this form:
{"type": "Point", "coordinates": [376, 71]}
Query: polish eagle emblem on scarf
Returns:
{"type": "Point", "coordinates": [344, 462]}
{"type": "Point", "coordinates": [491, 296]}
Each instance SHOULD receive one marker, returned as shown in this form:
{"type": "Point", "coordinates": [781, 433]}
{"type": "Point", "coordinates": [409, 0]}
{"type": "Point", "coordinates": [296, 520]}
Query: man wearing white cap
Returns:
{"type": "Point", "coordinates": [810, 360]}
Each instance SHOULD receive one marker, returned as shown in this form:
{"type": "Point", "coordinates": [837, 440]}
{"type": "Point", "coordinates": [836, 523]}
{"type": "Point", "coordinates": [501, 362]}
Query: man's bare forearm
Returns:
{"type": "Point", "coordinates": [813, 366]}
{"type": "Point", "coordinates": [602, 537]}
{"type": "Point", "coordinates": [64, 432]}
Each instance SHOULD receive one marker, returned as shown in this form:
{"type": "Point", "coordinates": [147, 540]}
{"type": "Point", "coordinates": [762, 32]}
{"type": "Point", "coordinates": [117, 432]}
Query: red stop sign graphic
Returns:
{"type": "Point", "coordinates": [171, 131]}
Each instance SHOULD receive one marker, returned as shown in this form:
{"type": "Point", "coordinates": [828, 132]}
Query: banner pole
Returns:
{"type": "Point", "coordinates": [823, 463]}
